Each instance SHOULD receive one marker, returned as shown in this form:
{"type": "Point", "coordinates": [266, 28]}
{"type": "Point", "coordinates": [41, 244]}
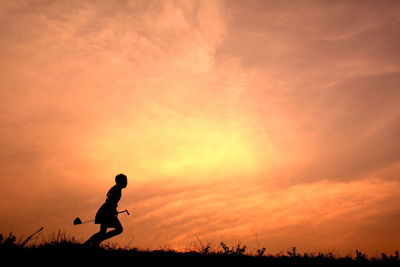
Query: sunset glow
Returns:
{"type": "Point", "coordinates": [269, 123]}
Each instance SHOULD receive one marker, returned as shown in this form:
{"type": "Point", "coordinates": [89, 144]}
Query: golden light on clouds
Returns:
{"type": "Point", "coordinates": [203, 148]}
{"type": "Point", "coordinates": [231, 119]}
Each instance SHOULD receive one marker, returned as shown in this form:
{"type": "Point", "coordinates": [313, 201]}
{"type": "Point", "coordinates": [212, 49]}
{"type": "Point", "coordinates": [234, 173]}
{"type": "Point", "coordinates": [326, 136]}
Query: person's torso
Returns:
{"type": "Point", "coordinates": [113, 196]}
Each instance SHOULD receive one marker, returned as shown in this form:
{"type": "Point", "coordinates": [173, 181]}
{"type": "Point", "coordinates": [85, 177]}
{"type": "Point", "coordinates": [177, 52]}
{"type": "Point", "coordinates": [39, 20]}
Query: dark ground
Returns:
{"type": "Point", "coordinates": [70, 253]}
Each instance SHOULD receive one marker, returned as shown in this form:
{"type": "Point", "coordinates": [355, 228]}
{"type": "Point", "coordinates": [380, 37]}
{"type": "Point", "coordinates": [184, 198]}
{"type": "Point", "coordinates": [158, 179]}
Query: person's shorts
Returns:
{"type": "Point", "coordinates": [106, 216]}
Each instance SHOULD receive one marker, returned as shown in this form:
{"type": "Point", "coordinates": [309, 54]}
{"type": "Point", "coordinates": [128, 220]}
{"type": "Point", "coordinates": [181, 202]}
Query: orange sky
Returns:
{"type": "Point", "coordinates": [270, 123]}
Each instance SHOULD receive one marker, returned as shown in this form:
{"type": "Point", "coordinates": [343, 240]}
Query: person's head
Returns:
{"type": "Point", "coordinates": [121, 180]}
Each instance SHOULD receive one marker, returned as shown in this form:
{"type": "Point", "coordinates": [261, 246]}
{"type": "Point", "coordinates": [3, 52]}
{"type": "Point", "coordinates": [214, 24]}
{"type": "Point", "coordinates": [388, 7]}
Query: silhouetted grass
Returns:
{"type": "Point", "coordinates": [59, 249]}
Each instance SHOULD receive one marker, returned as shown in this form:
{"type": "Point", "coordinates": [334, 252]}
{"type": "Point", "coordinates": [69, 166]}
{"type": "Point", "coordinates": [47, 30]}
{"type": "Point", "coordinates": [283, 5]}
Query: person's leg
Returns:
{"type": "Point", "coordinates": [117, 229]}
{"type": "Point", "coordinates": [96, 239]}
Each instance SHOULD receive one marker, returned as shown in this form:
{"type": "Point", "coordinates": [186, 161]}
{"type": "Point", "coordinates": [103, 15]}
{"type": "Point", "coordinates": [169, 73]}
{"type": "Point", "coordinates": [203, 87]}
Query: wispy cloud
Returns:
{"type": "Point", "coordinates": [229, 118]}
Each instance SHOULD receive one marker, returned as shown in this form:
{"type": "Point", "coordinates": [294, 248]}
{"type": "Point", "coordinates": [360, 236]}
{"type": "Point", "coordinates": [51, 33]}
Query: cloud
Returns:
{"type": "Point", "coordinates": [302, 215]}
{"type": "Point", "coordinates": [229, 118]}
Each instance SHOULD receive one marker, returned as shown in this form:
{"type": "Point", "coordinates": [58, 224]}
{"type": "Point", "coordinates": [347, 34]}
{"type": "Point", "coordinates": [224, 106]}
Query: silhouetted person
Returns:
{"type": "Point", "coordinates": [107, 214]}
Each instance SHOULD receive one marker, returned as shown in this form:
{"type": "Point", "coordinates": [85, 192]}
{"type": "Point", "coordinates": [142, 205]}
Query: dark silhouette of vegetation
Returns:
{"type": "Point", "coordinates": [239, 250]}
{"type": "Point", "coordinates": [59, 249]}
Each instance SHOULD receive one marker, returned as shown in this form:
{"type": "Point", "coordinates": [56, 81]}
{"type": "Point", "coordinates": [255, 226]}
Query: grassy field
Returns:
{"type": "Point", "coordinates": [60, 250]}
